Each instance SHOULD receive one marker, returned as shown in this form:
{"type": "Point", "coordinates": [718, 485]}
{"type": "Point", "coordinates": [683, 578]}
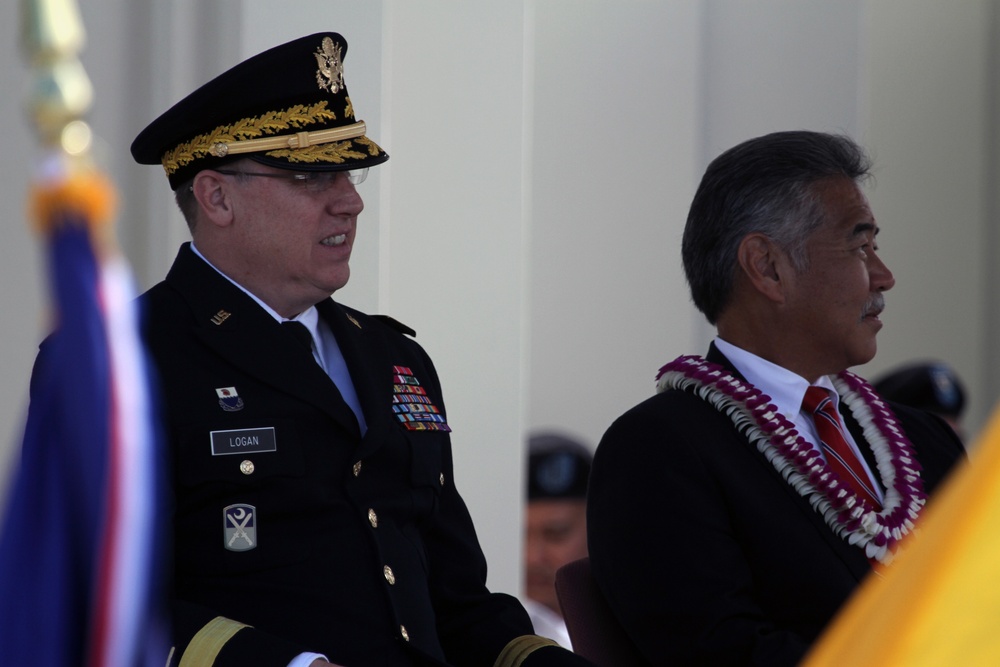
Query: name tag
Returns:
{"type": "Point", "coordinates": [243, 441]}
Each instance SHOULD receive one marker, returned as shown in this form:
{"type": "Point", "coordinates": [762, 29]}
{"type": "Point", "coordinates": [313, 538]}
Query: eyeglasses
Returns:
{"type": "Point", "coordinates": [312, 181]}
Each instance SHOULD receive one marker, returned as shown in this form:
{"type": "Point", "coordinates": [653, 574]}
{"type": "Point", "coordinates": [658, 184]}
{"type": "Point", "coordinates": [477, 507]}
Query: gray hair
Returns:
{"type": "Point", "coordinates": [764, 185]}
{"type": "Point", "coordinates": [187, 203]}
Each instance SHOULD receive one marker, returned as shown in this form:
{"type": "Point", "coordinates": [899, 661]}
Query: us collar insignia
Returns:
{"type": "Point", "coordinates": [330, 75]}
{"type": "Point", "coordinates": [229, 400]}
{"type": "Point", "coordinates": [220, 317]}
{"type": "Point", "coordinates": [239, 527]}
{"type": "Point", "coordinates": [353, 321]}
{"type": "Point", "coordinates": [414, 410]}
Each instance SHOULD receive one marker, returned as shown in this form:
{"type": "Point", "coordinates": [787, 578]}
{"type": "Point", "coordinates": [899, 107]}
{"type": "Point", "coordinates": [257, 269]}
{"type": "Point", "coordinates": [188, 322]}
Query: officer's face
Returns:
{"type": "Point", "coordinates": [294, 238]}
{"type": "Point", "coordinates": [555, 534]}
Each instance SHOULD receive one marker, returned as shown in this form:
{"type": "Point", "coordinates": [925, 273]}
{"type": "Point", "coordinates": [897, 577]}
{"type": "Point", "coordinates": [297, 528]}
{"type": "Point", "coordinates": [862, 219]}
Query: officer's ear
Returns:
{"type": "Point", "coordinates": [213, 190]}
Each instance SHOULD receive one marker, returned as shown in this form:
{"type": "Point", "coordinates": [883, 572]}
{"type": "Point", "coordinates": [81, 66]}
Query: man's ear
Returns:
{"type": "Point", "coordinates": [212, 193]}
{"type": "Point", "coordinates": [764, 266]}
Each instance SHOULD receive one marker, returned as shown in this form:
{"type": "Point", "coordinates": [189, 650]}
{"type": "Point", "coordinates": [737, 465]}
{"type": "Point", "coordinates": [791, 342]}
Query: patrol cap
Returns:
{"type": "Point", "coordinates": [930, 386]}
{"type": "Point", "coordinates": [287, 107]}
{"type": "Point", "coordinates": [558, 467]}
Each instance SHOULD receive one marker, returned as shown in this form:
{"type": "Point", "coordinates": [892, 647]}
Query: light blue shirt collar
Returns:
{"type": "Point", "coordinates": [325, 348]}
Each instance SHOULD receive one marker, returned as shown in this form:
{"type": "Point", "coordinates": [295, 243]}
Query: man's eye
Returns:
{"type": "Point", "coordinates": [316, 181]}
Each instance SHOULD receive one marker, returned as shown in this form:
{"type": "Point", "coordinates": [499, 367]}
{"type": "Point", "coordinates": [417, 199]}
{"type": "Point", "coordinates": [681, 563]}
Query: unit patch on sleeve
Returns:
{"type": "Point", "coordinates": [410, 403]}
{"type": "Point", "coordinates": [239, 527]}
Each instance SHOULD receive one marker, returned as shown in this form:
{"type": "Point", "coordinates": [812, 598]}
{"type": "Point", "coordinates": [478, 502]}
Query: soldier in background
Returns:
{"type": "Point", "coordinates": [932, 386]}
{"type": "Point", "coordinates": [555, 525]}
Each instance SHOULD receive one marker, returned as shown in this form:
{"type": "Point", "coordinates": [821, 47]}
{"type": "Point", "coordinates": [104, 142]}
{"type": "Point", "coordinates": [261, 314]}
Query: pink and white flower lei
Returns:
{"type": "Point", "coordinates": [851, 517]}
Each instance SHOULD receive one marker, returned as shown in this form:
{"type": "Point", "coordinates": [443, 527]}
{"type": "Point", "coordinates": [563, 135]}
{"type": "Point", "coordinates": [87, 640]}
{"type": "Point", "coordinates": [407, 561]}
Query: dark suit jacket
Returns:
{"type": "Point", "coordinates": [334, 512]}
{"type": "Point", "coordinates": [706, 555]}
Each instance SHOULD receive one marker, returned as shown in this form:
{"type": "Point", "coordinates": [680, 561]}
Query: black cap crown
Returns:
{"type": "Point", "coordinates": [558, 467]}
{"type": "Point", "coordinates": [931, 386]}
{"type": "Point", "coordinates": [287, 107]}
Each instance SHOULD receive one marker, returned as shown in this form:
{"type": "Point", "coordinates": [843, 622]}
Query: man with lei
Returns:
{"type": "Point", "coordinates": [726, 526]}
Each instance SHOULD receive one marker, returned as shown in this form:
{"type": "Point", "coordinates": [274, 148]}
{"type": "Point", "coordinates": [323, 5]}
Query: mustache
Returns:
{"type": "Point", "coordinates": [874, 305]}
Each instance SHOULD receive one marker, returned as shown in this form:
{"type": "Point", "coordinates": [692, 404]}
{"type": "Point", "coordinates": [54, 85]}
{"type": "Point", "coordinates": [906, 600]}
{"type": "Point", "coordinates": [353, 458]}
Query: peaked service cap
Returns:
{"type": "Point", "coordinates": [558, 467]}
{"type": "Point", "coordinates": [287, 107]}
{"type": "Point", "coordinates": [931, 386]}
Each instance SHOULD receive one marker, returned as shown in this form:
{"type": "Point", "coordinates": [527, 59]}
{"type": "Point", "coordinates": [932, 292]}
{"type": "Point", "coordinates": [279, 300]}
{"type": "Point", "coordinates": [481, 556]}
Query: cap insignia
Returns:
{"type": "Point", "coordinates": [330, 75]}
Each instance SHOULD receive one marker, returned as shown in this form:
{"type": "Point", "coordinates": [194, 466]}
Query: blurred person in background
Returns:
{"type": "Point", "coordinates": [555, 525]}
{"type": "Point", "coordinates": [932, 386]}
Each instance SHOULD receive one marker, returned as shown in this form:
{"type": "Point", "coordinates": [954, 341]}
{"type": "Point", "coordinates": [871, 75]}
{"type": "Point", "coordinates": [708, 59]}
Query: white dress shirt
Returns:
{"type": "Point", "coordinates": [547, 623]}
{"type": "Point", "coordinates": [787, 390]}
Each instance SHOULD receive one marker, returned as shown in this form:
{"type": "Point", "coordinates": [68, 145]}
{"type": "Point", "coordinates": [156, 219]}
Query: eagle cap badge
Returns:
{"type": "Point", "coordinates": [330, 75]}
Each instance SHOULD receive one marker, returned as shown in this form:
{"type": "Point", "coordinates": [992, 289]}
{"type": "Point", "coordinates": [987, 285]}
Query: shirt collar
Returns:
{"type": "Point", "coordinates": [786, 389]}
{"type": "Point", "coordinates": [310, 317]}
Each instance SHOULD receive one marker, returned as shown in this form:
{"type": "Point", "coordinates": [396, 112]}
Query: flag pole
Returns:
{"type": "Point", "coordinates": [52, 37]}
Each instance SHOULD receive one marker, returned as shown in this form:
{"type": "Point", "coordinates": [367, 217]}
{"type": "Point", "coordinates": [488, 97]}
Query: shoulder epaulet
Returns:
{"type": "Point", "coordinates": [396, 324]}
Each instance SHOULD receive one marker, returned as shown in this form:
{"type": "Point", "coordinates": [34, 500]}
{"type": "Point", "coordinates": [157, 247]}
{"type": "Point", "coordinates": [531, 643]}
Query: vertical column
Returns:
{"type": "Point", "coordinates": [455, 241]}
{"type": "Point", "coordinates": [929, 128]}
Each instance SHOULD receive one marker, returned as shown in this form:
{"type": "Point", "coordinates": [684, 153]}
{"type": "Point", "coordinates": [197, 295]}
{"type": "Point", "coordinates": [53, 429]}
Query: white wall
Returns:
{"type": "Point", "coordinates": [22, 294]}
{"type": "Point", "coordinates": [929, 120]}
{"type": "Point", "coordinates": [616, 149]}
{"type": "Point", "coordinates": [455, 116]}
{"type": "Point", "coordinates": [544, 153]}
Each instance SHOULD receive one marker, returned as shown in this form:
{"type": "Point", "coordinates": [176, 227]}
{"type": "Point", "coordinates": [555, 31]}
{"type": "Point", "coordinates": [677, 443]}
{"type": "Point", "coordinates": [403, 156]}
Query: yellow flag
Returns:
{"type": "Point", "coordinates": [939, 603]}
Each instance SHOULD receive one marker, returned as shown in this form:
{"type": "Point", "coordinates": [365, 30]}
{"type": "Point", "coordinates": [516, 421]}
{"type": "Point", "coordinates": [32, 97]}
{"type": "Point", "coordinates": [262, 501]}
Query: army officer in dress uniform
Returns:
{"type": "Point", "coordinates": [316, 518]}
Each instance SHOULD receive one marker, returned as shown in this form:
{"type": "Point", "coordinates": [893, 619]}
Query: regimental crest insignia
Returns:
{"type": "Point", "coordinates": [240, 527]}
{"type": "Point", "coordinates": [229, 399]}
{"type": "Point", "coordinates": [330, 75]}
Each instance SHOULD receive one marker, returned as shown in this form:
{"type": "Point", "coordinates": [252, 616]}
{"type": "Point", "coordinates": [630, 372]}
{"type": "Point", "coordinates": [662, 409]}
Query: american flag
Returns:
{"type": "Point", "coordinates": [85, 528]}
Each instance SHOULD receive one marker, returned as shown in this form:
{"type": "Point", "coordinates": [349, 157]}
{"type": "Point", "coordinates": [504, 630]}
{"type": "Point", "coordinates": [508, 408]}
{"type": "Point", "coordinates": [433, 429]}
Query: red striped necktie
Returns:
{"type": "Point", "coordinates": [839, 455]}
